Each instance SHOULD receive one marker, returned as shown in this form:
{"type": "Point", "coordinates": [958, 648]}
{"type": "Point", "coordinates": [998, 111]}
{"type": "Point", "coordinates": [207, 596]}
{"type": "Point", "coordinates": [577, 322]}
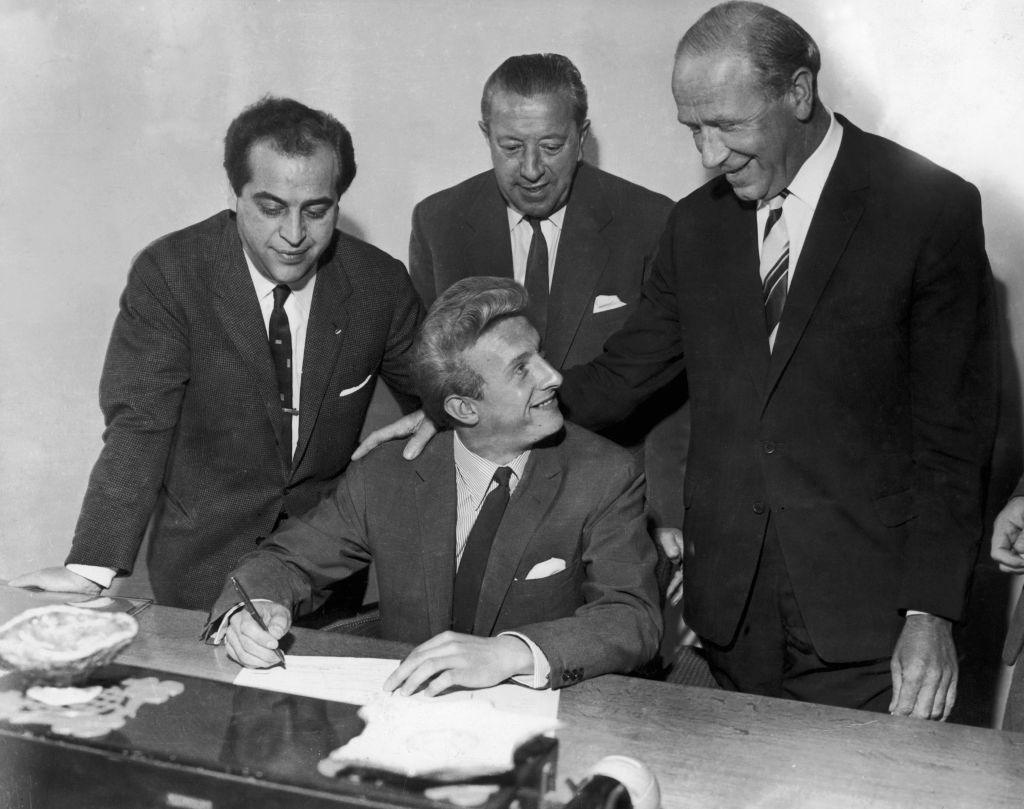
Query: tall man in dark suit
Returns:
{"type": "Point", "coordinates": [215, 434]}
{"type": "Point", "coordinates": [581, 240]}
{"type": "Point", "coordinates": [552, 582]}
{"type": "Point", "coordinates": [830, 298]}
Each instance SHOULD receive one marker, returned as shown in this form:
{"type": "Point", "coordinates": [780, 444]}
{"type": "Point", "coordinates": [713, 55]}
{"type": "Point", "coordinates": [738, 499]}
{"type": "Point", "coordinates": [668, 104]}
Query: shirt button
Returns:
{"type": "Point", "coordinates": [758, 507]}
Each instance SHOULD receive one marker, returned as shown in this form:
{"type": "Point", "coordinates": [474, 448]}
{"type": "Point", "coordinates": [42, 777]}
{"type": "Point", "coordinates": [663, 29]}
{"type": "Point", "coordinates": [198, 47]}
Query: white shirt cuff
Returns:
{"type": "Point", "coordinates": [541, 667]}
{"type": "Point", "coordinates": [103, 576]}
{"type": "Point", "coordinates": [916, 612]}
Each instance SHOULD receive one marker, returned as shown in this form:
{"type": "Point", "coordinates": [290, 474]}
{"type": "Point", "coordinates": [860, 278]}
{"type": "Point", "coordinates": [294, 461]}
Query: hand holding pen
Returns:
{"type": "Point", "coordinates": [251, 609]}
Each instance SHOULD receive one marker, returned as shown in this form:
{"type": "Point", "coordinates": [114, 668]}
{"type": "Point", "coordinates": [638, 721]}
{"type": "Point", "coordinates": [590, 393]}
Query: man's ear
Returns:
{"type": "Point", "coordinates": [485, 129]}
{"type": "Point", "coordinates": [801, 93]}
{"type": "Point", "coordinates": [584, 131]}
{"type": "Point", "coordinates": [462, 409]}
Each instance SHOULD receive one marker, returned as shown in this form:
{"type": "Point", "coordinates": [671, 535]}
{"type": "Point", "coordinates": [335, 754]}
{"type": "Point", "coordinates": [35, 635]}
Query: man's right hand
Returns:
{"type": "Point", "coordinates": [1008, 537]}
{"type": "Point", "coordinates": [416, 424]}
{"type": "Point", "coordinates": [57, 580]}
{"type": "Point", "coordinates": [249, 645]}
{"type": "Point", "coordinates": [671, 541]}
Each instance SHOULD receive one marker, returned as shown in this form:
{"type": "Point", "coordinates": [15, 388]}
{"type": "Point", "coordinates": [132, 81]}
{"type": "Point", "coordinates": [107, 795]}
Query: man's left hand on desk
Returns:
{"type": "Point", "coordinates": [452, 659]}
{"type": "Point", "coordinates": [924, 669]}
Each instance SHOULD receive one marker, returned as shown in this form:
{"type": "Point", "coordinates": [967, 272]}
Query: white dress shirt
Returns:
{"type": "Point", "coordinates": [522, 234]}
{"type": "Point", "coordinates": [473, 482]}
{"type": "Point", "coordinates": [804, 192]}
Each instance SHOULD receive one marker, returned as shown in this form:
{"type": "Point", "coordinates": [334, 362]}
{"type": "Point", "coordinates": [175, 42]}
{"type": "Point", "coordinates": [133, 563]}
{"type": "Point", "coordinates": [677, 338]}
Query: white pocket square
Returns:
{"type": "Point", "coordinates": [603, 303]}
{"type": "Point", "coordinates": [549, 567]}
{"type": "Point", "coordinates": [362, 384]}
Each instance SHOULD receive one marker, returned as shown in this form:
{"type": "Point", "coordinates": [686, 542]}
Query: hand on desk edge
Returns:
{"type": "Point", "coordinates": [247, 644]}
{"type": "Point", "coordinates": [56, 580]}
{"type": "Point", "coordinates": [453, 659]}
{"type": "Point", "coordinates": [924, 669]}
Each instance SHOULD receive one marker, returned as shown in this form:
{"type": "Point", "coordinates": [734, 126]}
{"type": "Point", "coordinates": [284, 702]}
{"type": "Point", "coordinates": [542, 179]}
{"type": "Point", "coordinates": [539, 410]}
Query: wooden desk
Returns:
{"type": "Point", "coordinates": [708, 748]}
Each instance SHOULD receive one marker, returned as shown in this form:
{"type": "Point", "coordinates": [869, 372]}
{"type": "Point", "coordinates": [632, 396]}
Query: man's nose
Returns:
{"type": "Point", "coordinates": [293, 230]}
{"type": "Point", "coordinates": [531, 167]}
{"type": "Point", "coordinates": [712, 151]}
{"type": "Point", "coordinates": [551, 379]}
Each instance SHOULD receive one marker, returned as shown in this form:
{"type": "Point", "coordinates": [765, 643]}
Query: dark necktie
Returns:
{"type": "Point", "coordinates": [537, 277]}
{"type": "Point", "coordinates": [470, 573]}
{"type": "Point", "coordinates": [775, 263]}
{"type": "Point", "coordinates": [281, 351]}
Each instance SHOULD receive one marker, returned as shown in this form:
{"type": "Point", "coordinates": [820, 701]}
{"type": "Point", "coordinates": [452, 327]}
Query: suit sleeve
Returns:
{"type": "Point", "coordinates": [954, 383]}
{"type": "Point", "coordinates": [642, 357]}
{"type": "Point", "coordinates": [421, 264]}
{"type": "Point", "coordinates": [396, 363]}
{"type": "Point", "coordinates": [141, 389]}
{"type": "Point", "coordinates": [309, 553]}
{"type": "Point", "coordinates": [618, 627]}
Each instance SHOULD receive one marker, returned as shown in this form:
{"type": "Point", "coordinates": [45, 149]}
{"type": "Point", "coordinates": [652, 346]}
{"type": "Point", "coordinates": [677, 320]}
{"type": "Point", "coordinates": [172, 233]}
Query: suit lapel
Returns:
{"type": "Point", "coordinates": [579, 264]}
{"type": "Point", "coordinates": [488, 250]}
{"type": "Point", "coordinates": [525, 513]}
{"type": "Point", "coordinates": [239, 311]}
{"type": "Point", "coordinates": [835, 218]}
{"type": "Point", "coordinates": [738, 258]}
{"type": "Point", "coordinates": [325, 335]}
{"type": "Point", "coordinates": [436, 505]}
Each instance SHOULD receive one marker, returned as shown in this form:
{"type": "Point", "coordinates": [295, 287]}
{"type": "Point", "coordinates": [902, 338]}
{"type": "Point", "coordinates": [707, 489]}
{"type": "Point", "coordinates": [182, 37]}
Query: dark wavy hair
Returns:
{"type": "Point", "coordinates": [456, 320]}
{"type": "Point", "coordinates": [293, 129]}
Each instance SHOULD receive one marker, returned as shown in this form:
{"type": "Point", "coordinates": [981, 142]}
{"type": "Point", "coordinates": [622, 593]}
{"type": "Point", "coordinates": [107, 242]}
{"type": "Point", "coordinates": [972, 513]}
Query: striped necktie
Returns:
{"type": "Point", "coordinates": [774, 263]}
{"type": "Point", "coordinates": [281, 351]}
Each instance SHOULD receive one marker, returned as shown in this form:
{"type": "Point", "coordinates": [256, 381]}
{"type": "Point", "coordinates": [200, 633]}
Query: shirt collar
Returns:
{"type": "Point", "coordinates": [515, 217]}
{"type": "Point", "coordinates": [810, 178]}
{"type": "Point", "coordinates": [476, 473]}
{"type": "Point", "coordinates": [302, 291]}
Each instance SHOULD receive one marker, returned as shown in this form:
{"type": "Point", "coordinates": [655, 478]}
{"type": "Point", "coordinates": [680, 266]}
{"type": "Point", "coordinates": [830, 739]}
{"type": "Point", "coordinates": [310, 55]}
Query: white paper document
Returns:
{"type": "Point", "coordinates": [360, 680]}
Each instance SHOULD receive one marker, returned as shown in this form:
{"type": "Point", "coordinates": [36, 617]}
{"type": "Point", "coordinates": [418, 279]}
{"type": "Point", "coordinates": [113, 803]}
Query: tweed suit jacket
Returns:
{"type": "Point", "coordinates": [580, 500]}
{"type": "Point", "coordinates": [864, 435]}
{"type": "Point", "coordinates": [193, 442]}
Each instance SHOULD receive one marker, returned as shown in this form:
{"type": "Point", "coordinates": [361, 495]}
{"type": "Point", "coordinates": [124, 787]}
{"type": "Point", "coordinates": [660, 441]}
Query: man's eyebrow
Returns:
{"type": "Point", "coordinates": [308, 203]}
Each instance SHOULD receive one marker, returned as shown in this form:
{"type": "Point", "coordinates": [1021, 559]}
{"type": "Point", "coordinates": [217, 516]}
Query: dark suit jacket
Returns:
{"type": "Point", "coordinates": [189, 395]}
{"type": "Point", "coordinates": [580, 500]}
{"type": "Point", "coordinates": [864, 434]}
{"type": "Point", "coordinates": [607, 247]}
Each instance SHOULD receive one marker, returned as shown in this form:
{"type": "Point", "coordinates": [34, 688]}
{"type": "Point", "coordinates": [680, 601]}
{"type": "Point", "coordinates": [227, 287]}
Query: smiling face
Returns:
{"type": "Point", "coordinates": [757, 141]}
{"type": "Point", "coordinates": [287, 212]}
{"type": "Point", "coordinates": [518, 406]}
{"type": "Point", "coordinates": [535, 147]}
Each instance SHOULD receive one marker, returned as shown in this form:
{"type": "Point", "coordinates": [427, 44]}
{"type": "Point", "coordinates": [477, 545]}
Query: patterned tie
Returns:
{"type": "Point", "coordinates": [470, 574]}
{"type": "Point", "coordinates": [774, 263]}
{"type": "Point", "coordinates": [537, 277]}
{"type": "Point", "coordinates": [281, 351]}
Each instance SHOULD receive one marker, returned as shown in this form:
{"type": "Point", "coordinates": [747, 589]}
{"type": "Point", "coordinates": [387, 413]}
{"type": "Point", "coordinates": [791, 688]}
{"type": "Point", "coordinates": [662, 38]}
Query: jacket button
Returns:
{"type": "Point", "coordinates": [758, 507]}
{"type": "Point", "coordinates": [769, 447]}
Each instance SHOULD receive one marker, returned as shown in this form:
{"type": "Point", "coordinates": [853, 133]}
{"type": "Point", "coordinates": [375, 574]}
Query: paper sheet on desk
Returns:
{"type": "Point", "coordinates": [358, 680]}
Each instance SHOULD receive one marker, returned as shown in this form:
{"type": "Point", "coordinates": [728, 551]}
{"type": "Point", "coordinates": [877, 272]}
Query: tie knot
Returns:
{"type": "Point", "coordinates": [775, 203]}
{"type": "Point", "coordinates": [535, 223]}
{"type": "Point", "coordinates": [281, 293]}
{"type": "Point", "coordinates": [502, 476]}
